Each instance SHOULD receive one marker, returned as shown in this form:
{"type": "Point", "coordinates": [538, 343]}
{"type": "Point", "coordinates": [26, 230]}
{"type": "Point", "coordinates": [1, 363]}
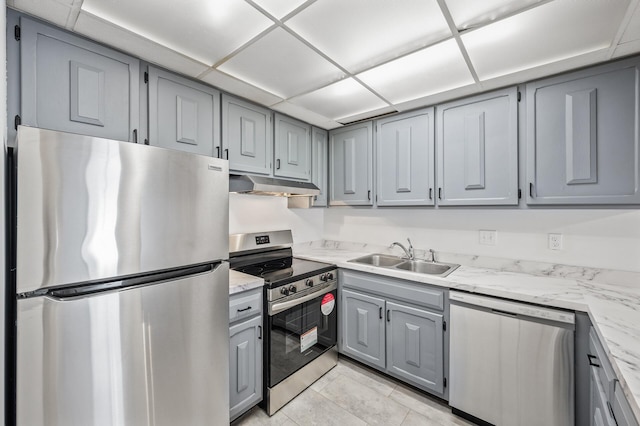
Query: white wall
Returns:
{"type": "Point", "coordinates": [255, 213]}
{"type": "Point", "coordinates": [595, 238]}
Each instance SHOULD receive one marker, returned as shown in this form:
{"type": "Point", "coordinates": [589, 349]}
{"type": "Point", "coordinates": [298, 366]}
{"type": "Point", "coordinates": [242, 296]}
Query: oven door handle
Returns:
{"type": "Point", "coordinates": [276, 308]}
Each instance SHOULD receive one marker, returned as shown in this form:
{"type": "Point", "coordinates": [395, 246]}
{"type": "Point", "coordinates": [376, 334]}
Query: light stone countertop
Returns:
{"type": "Point", "coordinates": [239, 282]}
{"type": "Point", "coordinates": [611, 298]}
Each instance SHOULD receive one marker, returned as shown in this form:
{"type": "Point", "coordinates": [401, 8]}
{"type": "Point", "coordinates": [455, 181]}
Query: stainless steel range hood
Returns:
{"type": "Point", "coordinates": [300, 194]}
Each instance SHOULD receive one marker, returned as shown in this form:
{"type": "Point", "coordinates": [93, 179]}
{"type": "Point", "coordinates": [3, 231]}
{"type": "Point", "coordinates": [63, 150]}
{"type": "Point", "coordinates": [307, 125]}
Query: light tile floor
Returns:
{"type": "Point", "coordinates": [351, 394]}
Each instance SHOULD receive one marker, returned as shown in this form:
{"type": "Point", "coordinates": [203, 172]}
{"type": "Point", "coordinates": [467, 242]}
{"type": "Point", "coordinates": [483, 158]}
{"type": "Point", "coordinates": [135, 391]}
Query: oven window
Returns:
{"type": "Point", "coordinates": [301, 334]}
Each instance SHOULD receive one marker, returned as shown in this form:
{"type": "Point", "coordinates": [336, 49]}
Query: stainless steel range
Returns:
{"type": "Point", "coordinates": [300, 319]}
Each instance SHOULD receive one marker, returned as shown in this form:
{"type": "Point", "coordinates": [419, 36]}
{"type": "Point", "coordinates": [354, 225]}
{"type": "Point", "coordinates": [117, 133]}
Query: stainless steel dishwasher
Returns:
{"type": "Point", "coordinates": [511, 363]}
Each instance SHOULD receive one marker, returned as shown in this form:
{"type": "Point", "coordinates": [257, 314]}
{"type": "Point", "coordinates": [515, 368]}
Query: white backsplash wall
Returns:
{"type": "Point", "coordinates": [594, 238]}
{"type": "Point", "coordinates": [255, 213]}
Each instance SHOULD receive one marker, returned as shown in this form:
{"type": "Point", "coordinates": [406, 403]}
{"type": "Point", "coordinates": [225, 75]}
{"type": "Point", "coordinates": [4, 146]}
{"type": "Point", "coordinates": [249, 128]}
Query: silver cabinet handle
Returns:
{"type": "Point", "coordinates": [278, 164]}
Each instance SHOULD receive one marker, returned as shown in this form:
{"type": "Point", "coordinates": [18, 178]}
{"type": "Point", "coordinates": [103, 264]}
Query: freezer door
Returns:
{"type": "Point", "coordinates": [91, 208]}
{"type": "Point", "coordinates": [151, 355]}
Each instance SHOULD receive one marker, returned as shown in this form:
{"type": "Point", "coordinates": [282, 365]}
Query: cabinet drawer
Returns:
{"type": "Point", "coordinates": [621, 409]}
{"type": "Point", "coordinates": [599, 360]}
{"type": "Point", "coordinates": [246, 304]}
{"type": "Point", "coordinates": [412, 292]}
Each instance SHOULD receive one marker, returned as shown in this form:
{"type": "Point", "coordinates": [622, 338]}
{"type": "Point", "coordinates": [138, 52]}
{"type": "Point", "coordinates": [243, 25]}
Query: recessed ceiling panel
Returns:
{"type": "Point", "coordinates": [240, 88]}
{"type": "Point", "coordinates": [358, 34]}
{"type": "Point", "coordinates": [279, 8]}
{"type": "Point", "coordinates": [432, 70]}
{"type": "Point", "coordinates": [281, 64]}
{"type": "Point", "coordinates": [551, 32]}
{"type": "Point", "coordinates": [633, 27]}
{"type": "Point", "coordinates": [471, 13]}
{"type": "Point", "coordinates": [342, 99]}
{"type": "Point", "coordinates": [201, 29]}
{"type": "Point", "coordinates": [113, 35]}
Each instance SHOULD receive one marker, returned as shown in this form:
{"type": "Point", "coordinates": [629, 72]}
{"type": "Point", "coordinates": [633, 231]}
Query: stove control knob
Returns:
{"type": "Point", "coordinates": [309, 282]}
{"type": "Point", "coordinates": [284, 291]}
{"type": "Point", "coordinates": [323, 277]}
{"type": "Point", "coordinates": [329, 276]}
{"type": "Point", "coordinates": [292, 288]}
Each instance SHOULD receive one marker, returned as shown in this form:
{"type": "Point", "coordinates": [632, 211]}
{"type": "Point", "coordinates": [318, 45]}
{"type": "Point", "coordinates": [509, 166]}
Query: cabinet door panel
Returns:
{"type": "Point", "coordinates": [245, 366]}
{"type": "Point", "coordinates": [363, 327]}
{"type": "Point", "coordinates": [583, 145]}
{"type": "Point", "coordinates": [350, 165]}
{"type": "Point", "coordinates": [247, 136]}
{"type": "Point", "coordinates": [183, 114]}
{"type": "Point", "coordinates": [477, 150]}
{"type": "Point", "coordinates": [415, 346]}
{"type": "Point", "coordinates": [405, 172]}
{"type": "Point", "coordinates": [292, 148]}
{"type": "Point", "coordinates": [319, 164]}
{"type": "Point", "coordinates": [74, 85]}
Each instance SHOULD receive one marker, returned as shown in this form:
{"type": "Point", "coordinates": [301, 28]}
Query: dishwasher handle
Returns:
{"type": "Point", "coordinates": [512, 309]}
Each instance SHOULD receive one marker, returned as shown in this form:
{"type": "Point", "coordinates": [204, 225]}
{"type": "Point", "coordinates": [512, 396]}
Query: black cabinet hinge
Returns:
{"type": "Point", "coordinates": [17, 121]}
{"type": "Point", "coordinates": [519, 193]}
{"type": "Point", "coordinates": [445, 382]}
{"type": "Point", "coordinates": [519, 96]}
{"type": "Point", "coordinates": [444, 325]}
{"type": "Point", "coordinates": [146, 77]}
{"type": "Point", "coordinates": [16, 32]}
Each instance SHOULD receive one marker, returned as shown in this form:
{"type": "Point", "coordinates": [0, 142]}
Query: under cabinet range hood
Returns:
{"type": "Point", "coordinates": [299, 194]}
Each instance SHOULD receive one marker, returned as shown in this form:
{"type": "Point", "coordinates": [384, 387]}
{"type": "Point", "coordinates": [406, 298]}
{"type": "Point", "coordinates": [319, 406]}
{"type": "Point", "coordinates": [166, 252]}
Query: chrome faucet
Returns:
{"type": "Point", "coordinates": [432, 255]}
{"type": "Point", "coordinates": [409, 252]}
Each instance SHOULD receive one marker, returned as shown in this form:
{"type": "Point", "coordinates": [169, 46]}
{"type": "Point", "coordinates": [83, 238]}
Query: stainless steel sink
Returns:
{"type": "Point", "coordinates": [430, 268]}
{"type": "Point", "coordinates": [417, 266]}
{"type": "Point", "coordinates": [381, 260]}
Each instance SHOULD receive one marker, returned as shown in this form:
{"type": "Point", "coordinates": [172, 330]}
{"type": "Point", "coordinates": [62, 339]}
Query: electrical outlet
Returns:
{"type": "Point", "coordinates": [488, 237]}
{"type": "Point", "coordinates": [555, 241]}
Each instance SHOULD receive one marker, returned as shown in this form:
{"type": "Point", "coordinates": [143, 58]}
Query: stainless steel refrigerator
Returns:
{"type": "Point", "coordinates": [121, 280]}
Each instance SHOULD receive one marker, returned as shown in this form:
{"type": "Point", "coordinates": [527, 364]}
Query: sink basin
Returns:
{"type": "Point", "coordinates": [417, 266]}
{"type": "Point", "coordinates": [381, 260]}
{"type": "Point", "coordinates": [430, 268]}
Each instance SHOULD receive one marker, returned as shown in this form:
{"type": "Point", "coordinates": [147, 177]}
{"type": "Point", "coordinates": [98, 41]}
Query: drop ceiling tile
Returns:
{"type": "Point", "coordinates": [201, 29]}
{"type": "Point", "coordinates": [548, 33]}
{"type": "Point", "coordinates": [281, 64]}
{"type": "Point", "coordinates": [304, 114]}
{"type": "Point", "coordinates": [432, 70]}
{"type": "Point", "coordinates": [239, 88]}
{"type": "Point", "coordinates": [471, 13]}
{"type": "Point", "coordinates": [110, 34]}
{"type": "Point", "coordinates": [342, 99]}
{"type": "Point", "coordinates": [633, 27]}
{"type": "Point", "coordinates": [358, 34]}
{"type": "Point", "coordinates": [279, 8]}
{"type": "Point", "coordinates": [55, 12]}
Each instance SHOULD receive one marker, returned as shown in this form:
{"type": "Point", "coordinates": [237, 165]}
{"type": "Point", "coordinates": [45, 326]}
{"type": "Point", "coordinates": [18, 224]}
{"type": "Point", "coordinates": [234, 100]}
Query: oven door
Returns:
{"type": "Point", "coordinates": [300, 334]}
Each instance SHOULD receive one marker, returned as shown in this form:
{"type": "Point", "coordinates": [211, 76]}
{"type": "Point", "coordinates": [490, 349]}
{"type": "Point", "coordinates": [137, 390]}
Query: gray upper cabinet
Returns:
{"type": "Point", "coordinates": [350, 165]}
{"type": "Point", "coordinates": [477, 150]}
{"type": "Point", "coordinates": [415, 353]}
{"type": "Point", "coordinates": [183, 114]}
{"type": "Point", "coordinates": [582, 136]}
{"type": "Point", "coordinates": [363, 332]}
{"type": "Point", "coordinates": [320, 164]}
{"type": "Point", "coordinates": [405, 172]}
{"type": "Point", "coordinates": [247, 135]}
{"type": "Point", "coordinates": [73, 85]}
{"type": "Point", "coordinates": [292, 148]}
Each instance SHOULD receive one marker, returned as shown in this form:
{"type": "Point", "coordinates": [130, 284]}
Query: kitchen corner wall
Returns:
{"type": "Point", "coordinates": [594, 238]}
{"type": "Point", "coordinates": [255, 213]}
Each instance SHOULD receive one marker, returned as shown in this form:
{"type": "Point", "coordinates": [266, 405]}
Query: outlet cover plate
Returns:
{"type": "Point", "coordinates": [488, 237]}
{"type": "Point", "coordinates": [555, 241]}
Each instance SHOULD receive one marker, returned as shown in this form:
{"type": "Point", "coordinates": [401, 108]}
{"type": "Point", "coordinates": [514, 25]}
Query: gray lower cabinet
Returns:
{"type": "Point", "coordinates": [477, 150]}
{"type": "Point", "coordinates": [247, 134]}
{"type": "Point", "coordinates": [320, 164]}
{"type": "Point", "coordinates": [583, 144]}
{"type": "Point", "coordinates": [351, 165]}
{"type": "Point", "coordinates": [70, 84]}
{"type": "Point", "coordinates": [245, 351]}
{"type": "Point", "coordinates": [292, 148]}
{"type": "Point", "coordinates": [405, 159]}
{"type": "Point", "coordinates": [609, 405]}
{"type": "Point", "coordinates": [183, 114]}
{"type": "Point", "coordinates": [396, 326]}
